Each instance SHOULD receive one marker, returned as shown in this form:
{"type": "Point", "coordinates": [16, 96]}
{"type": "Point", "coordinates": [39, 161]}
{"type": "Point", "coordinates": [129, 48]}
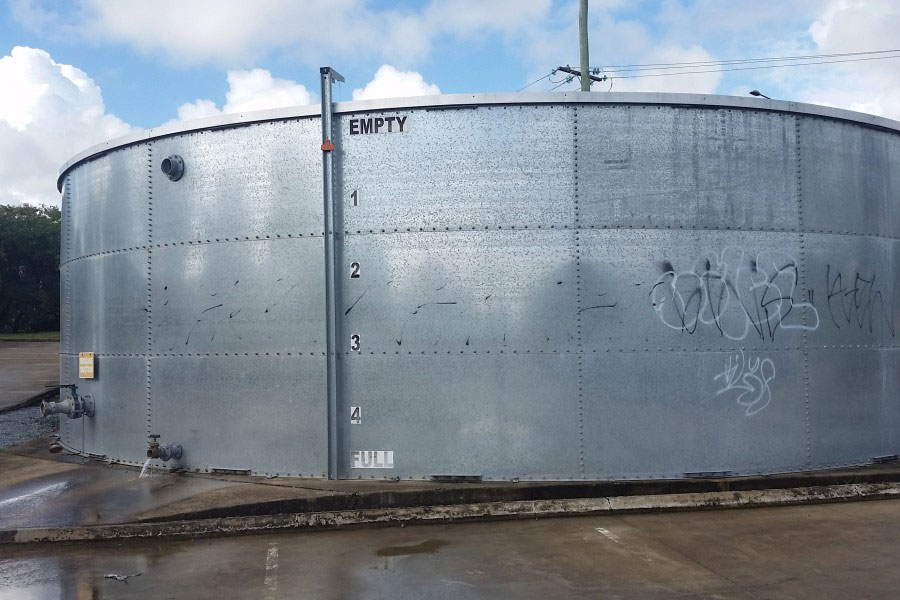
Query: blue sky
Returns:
{"type": "Point", "coordinates": [87, 70]}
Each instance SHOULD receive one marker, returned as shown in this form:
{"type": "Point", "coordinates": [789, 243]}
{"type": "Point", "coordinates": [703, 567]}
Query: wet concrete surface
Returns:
{"type": "Point", "coordinates": [822, 551]}
{"type": "Point", "coordinates": [43, 490]}
{"type": "Point", "coordinates": [19, 426]}
{"type": "Point", "coordinates": [49, 493]}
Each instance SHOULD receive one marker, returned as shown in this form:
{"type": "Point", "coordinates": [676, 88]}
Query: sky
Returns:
{"type": "Point", "coordinates": [78, 72]}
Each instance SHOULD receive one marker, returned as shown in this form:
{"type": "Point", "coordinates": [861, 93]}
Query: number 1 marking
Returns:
{"type": "Point", "coordinates": [355, 196]}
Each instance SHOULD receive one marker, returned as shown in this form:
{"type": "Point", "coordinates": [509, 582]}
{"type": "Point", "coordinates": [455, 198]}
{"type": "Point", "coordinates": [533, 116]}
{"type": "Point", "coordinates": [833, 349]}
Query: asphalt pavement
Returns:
{"type": "Point", "coordinates": [25, 369]}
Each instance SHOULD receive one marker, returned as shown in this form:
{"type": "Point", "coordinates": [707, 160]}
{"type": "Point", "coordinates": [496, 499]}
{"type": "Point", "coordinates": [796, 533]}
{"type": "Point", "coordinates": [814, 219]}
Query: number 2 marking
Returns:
{"type": "Point", "coordinates": [354, 342]}
{"type": "Point", "coordinates": [354, 270]}
{"type": "Point", "coordinates": [355, 196]}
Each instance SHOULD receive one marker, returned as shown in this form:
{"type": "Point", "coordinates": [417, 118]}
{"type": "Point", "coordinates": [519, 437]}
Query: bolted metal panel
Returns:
{"type": "Point", "coordinates": [108, 205]}
{"type": "Point", "coordinates": [494, 415]}
{"type": "Point", "coordinates": [488, 166]}
{"type": "Point", "coordinates": [847, 415]}
{"type": "Point", "coordinates": [257, 182]}
{"type": "Point", "coordinates": [850, 179]}
{"type": "Point", "coordinates": [262, 413]}
{"type": "Point", "coordinates": [244, 297]}
{"type": "Point", "coordinates": [890, 425]}
{"type": "Point", "coordinates": [582, 290]}
{"type": "Point", "coordinates": [854, 282]}
{"type": "Point", "coordinates": [662, 414]}
{"type": "Point", "coordinates": [117, 430]}
{"type": "Point", "coordinates": [459, 291]}
{"type": "Point", "coordinates": [109, 313]}
{"type": "Point", "coordinates": [686, 167]}
{"type": "Point", "coordinates": [693, 290]}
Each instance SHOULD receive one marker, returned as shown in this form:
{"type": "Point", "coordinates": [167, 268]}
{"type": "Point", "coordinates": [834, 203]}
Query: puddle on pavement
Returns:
{"type": "Point", "coordinates": [426, 547]}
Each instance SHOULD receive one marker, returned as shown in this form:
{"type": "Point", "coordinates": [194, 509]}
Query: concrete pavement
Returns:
{"type": "Point", "coordinates": [830, 551]}
{"type": "Point", "coordinates": [25, 368]}
{"type": "Point", "coordinates": [46, 497]}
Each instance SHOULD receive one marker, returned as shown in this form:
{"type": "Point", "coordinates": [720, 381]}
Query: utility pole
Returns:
{"type": "Point", "coordinates": [585, 55]}
{"type": "Point", "coordinates": [577, 73]}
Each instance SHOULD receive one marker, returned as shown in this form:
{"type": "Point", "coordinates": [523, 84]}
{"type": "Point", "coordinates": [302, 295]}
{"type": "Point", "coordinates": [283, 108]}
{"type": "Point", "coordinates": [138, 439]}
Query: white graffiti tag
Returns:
{"type": "Point", "coordinates": [735, 293]}
{"type": "Point", "coordinates": [751, 377]}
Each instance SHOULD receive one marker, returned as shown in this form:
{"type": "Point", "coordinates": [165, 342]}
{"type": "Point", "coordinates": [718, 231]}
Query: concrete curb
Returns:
{"type": "Point", "coordinates": [457, 512]}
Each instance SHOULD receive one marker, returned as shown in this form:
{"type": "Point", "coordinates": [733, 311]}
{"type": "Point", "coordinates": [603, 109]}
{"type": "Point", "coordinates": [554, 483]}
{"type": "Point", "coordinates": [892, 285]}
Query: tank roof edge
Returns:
{"type": "Point", "coordinates": [481, 99]}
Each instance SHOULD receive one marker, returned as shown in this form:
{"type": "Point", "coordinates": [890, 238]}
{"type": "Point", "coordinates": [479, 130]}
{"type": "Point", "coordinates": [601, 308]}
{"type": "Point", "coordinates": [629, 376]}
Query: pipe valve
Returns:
{"type": "Point", "coordinates": [163, 452]}
{"type": "Point", "coordinates": [73, 406]}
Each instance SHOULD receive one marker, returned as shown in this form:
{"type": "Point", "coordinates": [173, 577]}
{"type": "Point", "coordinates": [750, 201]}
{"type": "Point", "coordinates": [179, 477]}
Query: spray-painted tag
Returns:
{"type": "Point", "coordinates": [372, 459]}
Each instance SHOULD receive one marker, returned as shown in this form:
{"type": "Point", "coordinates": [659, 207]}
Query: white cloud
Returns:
{"type": "Point", "coordinates": [48, 112]}
{"type": "Point", "coordinates": [258, 90]}
{"type": "Point", "coordinates": [869, 86]}
{"type": "Point", "coordinates": [391, 83]}
{"type": "Point", "coordinates": [198, 109]}
{"type": "Point", "coordinates": [694, 83]}
{"type": "Point", "coordinates": [614, 41]}
{"type": "Point", "coordinates": [231, 32]}
{"type": "Point", "coordinates": [247, 91]}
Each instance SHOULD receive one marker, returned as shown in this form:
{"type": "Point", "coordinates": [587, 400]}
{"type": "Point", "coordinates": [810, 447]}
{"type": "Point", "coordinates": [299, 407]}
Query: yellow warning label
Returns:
{"type": "Point", "coordinates": [86, 365]}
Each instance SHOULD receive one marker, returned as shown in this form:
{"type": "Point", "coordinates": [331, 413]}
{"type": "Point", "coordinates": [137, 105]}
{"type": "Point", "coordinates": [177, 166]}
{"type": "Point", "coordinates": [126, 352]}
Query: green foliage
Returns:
{"type": "Point", "coordinates": [29, 268]}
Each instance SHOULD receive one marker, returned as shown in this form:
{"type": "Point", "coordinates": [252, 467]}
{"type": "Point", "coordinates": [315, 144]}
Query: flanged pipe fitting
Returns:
{"type": "Point", "coordinates": [163, 452]}
{"type": "Point", "coordinates": [173, 167]}
{"type": "Point", "coordinates": [73, 406]}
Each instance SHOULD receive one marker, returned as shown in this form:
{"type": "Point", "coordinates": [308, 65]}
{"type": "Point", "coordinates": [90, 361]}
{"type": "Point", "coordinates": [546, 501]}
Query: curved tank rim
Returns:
{"type": "Point", "coordinates": [482, 99]}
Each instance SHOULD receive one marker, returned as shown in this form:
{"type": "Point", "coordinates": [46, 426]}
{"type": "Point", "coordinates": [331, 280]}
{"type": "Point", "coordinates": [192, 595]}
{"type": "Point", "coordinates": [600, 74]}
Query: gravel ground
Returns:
{"type": "Point", "coordinates": [19, 426]}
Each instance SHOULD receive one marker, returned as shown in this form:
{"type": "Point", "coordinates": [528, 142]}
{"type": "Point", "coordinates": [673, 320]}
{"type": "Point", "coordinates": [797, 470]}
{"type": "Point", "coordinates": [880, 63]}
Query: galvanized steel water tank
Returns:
{"type": "Point", "coordinates": [553, 286]}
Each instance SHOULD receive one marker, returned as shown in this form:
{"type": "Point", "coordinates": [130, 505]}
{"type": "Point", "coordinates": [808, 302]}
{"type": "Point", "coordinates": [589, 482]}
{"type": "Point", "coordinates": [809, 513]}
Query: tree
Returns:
{"type": "Point", "coordinates": [29, 268]}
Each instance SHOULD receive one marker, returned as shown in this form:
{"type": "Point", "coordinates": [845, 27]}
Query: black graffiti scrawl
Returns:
{"type": "Point", "coordinates": [857, 301]}
{"type": "Point", "coordinates": [735, 293]}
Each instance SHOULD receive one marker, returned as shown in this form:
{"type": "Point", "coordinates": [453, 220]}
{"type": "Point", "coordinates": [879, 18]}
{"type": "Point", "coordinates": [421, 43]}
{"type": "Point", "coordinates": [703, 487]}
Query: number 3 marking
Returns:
{"type": "Point", "coordinates": [354, 342]}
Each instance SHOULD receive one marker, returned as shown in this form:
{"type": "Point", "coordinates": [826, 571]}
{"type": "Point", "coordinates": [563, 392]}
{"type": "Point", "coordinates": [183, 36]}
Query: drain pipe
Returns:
{"type": "Point", "coordinates": [328, 76]}
{"type": "Point", "coordinates": [73, 406]}
{"type": "Point", "coordinates": [162, 452]}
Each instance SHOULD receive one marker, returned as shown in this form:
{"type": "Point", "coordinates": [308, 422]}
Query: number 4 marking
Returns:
{"type": "Point", "coordinates": [355, 415]}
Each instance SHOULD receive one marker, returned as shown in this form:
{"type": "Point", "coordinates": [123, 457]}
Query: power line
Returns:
{"type": "Point", "coordinates": [535, 81]}
{"type": "Point", "coordinates": [824, 62]}
{"type": "Point", "coordinates": [568, 79]}
{"type": "Point", "coordinates": [652, 66]}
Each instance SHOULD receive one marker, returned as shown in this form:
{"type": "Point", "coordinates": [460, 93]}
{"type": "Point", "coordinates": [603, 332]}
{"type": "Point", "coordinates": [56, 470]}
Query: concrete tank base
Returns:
{"type": "Point", "coordinates": [552, 286]}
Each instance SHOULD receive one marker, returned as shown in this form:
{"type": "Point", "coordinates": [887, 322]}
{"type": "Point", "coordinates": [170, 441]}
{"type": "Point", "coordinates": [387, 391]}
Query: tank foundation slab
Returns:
{"type": "Point", "coordinates": [63, 498]}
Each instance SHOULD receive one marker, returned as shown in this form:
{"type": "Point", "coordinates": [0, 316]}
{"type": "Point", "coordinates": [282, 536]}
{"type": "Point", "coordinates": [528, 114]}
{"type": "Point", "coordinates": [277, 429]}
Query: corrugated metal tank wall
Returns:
{"type": "Point", "coordinates": [544, 290]}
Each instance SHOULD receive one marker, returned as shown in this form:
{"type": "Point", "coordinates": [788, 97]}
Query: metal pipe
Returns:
{"type": "Point", "coordinates": [163, 452]}
{"type": "Point", "coordinates": [328, 76]}
{"type": "Point", "coordinates": [63, 407]}
{"type": "Point", "coordinates": [173, 167]}
{"type": "Point", "coordinates": [583, 40]}
{"type": "Point", "coordinates": [73, 406]}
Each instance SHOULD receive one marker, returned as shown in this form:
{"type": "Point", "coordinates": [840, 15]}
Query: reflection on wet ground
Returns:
{"type": "Point", "coordinates": [426, 547]}
{"type": "Point", "coordinates": [69, 496]}
{"type": "Point", "coordinates": [834, 551]}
